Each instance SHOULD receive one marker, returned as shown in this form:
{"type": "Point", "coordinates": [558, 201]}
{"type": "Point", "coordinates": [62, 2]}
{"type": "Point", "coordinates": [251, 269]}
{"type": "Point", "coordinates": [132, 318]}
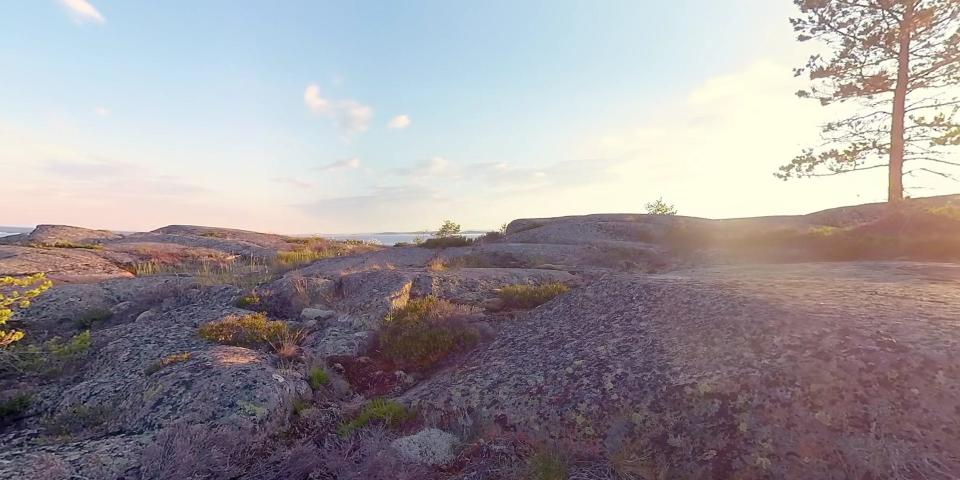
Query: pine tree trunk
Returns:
{"type": "Point", "coordinates": [897, 132]}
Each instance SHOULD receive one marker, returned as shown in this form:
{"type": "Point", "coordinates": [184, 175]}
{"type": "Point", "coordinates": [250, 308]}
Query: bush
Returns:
{"type": "Point", "coordinates": [547, 465]}
{"type": "Point", "coordinates": [92, 316]}
{"type": "Point", "coordinates": [16, 294]}
{"type": "Point", "coordinates": [318, 378]}
{"type": "Point", "coordinates": [249, 300]}
{"type": "Point", "coordinates": [424, 331]}
{"type": "Point", "coordinates": [14, 407]}
{"type": "Point", "coordinates": [530, 296]}
{"type": "Point", "coordinates": [167, 361]}
{"type": "Point", "coordinates": [251, 330]}
{"type": "Point", "coordinates": [388, 412]}
{"type": "Point", "coordinates": [446, 242]}
{"type": "Point", "coordinates": [50, 357]}
{"type": "Point", "coordinates": [75, 347]}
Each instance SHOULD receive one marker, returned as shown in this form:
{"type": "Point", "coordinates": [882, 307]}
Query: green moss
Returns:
{"type": "Point", "coordinates": [388, 412]}
{"type": "Point", "coordinates": [529, 296]}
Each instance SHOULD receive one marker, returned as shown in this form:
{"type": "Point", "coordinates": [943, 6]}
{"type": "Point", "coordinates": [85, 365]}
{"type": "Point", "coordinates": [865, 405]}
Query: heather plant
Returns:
{"type": "Point", "coordinates": [530, 296]}
{"type": "Point", "coordinates": [16, 294]}
{"type": "Point", "coordinates": [244, 330]}
{"type": "Point", "coordinates": [424, 331]}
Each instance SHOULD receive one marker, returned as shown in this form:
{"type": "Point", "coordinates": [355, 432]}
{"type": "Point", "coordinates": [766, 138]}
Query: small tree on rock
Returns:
{"type": "Point", "coordinates": [659, 207]}
{"type": "Point", "coordinates": [448, 229]}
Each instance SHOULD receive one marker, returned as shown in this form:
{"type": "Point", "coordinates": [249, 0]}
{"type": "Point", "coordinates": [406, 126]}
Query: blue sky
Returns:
{"type": "Point", "coordinates": [365, 116]}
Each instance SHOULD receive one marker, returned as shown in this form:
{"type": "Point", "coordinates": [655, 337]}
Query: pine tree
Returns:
{"type": "Point", "coordinates": [897, 59]}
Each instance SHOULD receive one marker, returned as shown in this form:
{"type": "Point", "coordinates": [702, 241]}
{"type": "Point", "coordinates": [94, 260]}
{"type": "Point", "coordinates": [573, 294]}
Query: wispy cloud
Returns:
{"type": "Point", "coordinates": [399, 122]}
{"type": "Point", "coordinates": [345, 164]}
{"type": "Point", "coordinates": [350, 116]}
{"type": "Point", "coordinates": [83, 12]}
{"type": "Point", "coordinates": [293, 182]}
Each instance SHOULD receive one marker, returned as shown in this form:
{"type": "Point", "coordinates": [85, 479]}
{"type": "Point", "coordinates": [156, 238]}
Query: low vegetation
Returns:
{"type": "Point", "coordinates": [167, 361]}
{"type": "Point", "coordinates": [378, 410]}
{"type": "Point", "coordinates": [88, 319]}
{"type": "Point", "coordinates": [76, 420]}
{"type": "Point", "coordinates": [530, 296]}
{"type": "Point", "coordinates": [250, 301]}
{"type": "Point", "coordinates": [448, 235]}
{"type": "Point", "coordinates": [48, 358]}
{"type": "Point", "coordinates": [446, 242]}
{"type": "Point", "coordinates": [67, 244]}
{"type": "Point", "coordinates": [424, 331]}
{"type": "Point", "coordinates": [14, 407]}
{"type": "Point", "coordinates": [547, 465]}
{"type": "Point", "coordinates": [16, 293]}
{"type": "Point", "coordinates": [251, 330]}
{"type": "Point", "coordinates": [318, 378]}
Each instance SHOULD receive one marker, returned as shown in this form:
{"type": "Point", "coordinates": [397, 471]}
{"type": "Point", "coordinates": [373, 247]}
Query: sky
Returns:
{"type": "Point", "coordinates": [341, 117]}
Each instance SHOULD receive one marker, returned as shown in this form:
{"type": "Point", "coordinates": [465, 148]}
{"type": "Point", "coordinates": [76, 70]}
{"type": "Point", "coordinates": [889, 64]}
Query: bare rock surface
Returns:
{"type": "Point", "coordinates": [52, 234]}
{"type": "Point", "coordinates": [780, 371]}
{"type": "Point", "coordinates": [61, 264]}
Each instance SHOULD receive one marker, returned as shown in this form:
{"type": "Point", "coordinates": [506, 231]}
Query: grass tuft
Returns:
{"type": "Point", "coordinates": [387, 412]}
{"type": "Point", "coordinates": [530, 296]}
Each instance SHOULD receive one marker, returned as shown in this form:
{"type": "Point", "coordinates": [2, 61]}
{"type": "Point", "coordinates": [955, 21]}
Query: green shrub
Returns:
{"type": "Point", "coordinates": [424, 331]}
{"type": "Point", "coordinates": [529, 296]}
{"type": "Point", "coordinates": [70, 349]}
{"type": "Point", "coordinates": [244, 330]}
{"type": "Point", "coordinates": [50, 357]}
{"type": "Point", "coordinates": [167, 361]}
{"type": "Point", "coordinates": [16, 293]}
{"type": "Point", "coordinates": [92, 316]}
{"type": "Point", "coordinates": [249, 300]}
{"type": "Point", "coordinates": [388, 412]}
{"type": "Point", "coordinates": [547, 465]}
{"type": "Point", "coordinates": [318, 377]}
{"type": "Point", "coordinates": [14, 407]}
{"type": "Point", "coordinates": [446, 242]}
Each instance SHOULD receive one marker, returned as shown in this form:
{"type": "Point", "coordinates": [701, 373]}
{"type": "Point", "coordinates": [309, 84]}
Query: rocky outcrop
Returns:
{"type": "Point", "coordinates": [781, 371]}
{"type": "Point", "coordinates": [61, 234]}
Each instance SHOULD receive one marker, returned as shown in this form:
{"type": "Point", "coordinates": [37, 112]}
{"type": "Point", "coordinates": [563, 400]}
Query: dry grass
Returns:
{"type": "Point", "coordinates": [530, 296]}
